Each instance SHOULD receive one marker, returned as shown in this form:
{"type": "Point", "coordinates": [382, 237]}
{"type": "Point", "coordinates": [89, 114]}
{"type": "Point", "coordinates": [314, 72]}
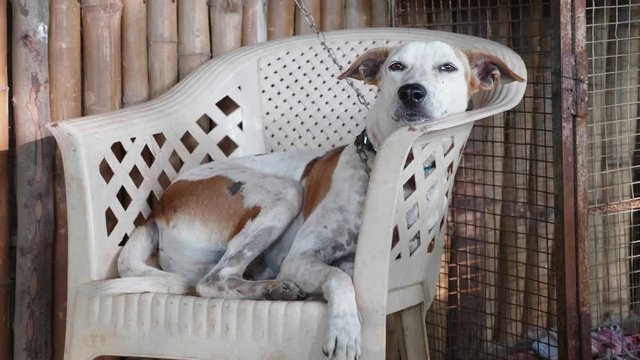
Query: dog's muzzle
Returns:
{"type": "Point", "coordinates": [413, 109]}
{"type": "Point", "coordinates": [412, 95]}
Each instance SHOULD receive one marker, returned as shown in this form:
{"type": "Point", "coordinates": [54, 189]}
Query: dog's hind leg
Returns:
{"type": "Point", "coordinates": [278, 208]}
{"type": "Point", "coordinates": [137, 275]}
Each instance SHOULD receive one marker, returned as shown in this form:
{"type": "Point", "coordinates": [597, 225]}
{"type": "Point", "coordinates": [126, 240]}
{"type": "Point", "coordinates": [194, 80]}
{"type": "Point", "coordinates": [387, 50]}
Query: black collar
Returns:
{"type": "Point", "coordinates": [362, 142]}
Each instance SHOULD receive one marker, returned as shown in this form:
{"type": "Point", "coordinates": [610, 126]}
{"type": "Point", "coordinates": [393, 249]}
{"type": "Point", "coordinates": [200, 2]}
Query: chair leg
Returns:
{"type": "Point", "coordinates": [415, 332]}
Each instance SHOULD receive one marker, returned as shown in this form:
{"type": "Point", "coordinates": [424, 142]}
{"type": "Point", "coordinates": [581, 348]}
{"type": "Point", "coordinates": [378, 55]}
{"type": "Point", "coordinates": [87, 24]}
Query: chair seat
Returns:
{"type": "Point", "coordinates": [200, 328]}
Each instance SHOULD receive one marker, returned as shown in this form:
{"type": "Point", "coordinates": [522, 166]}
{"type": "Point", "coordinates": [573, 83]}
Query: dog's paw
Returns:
{"type": "Point", "coordinates": [285, 290]}
{"type": "Point", "coordinates": [343, 341]}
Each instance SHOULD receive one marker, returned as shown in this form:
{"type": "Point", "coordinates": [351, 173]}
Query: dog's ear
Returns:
{"type": "Point", "coordinates": [488, 70]}
{"type": "Point", "coordinates": [367, 66]}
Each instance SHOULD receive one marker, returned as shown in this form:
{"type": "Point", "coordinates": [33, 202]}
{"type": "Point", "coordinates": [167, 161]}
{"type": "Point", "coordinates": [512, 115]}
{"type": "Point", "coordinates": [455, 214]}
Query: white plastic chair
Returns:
{"type": "Point", "coordinates": [270, 97]}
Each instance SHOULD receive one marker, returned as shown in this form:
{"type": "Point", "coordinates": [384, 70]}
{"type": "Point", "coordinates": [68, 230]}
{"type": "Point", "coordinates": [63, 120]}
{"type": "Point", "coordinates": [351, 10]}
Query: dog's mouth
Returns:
{"type": "Point", "coordinates": [411, 116]}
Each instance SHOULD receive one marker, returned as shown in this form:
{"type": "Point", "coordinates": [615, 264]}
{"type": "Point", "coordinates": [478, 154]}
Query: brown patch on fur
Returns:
{"type": "Point", "coordinates": [318, 175]}
{"type": "Point", "coordinates": [486, 70]}
{"type": "Point", "coordinates": [251, 214]}
{"type": "Point", "coordinates": [473, 83]}
{"type": "Point", "coordinates": [483, 70]}
{"type": "Point", "coordinates": [307, 169]}
{"type": "Point", "coordinates": [209, 202]}
{"type": "Point", "coordinates": [366, 67]}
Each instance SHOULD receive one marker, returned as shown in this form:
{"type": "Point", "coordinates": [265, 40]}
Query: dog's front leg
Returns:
{"type": "Point", "coordinates": [313, 275]}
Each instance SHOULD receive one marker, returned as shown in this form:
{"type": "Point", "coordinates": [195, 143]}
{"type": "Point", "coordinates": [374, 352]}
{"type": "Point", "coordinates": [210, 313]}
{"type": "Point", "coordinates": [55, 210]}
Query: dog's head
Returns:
{"type": "Point", "coordinates": [421, 81]}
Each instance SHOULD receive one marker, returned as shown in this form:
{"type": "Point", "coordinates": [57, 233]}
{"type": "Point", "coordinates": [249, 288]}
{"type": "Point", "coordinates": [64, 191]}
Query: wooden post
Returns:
{"type": "Point", "coordinates": [569, 91]}
{"type": "Point", "coordinates": [280, 15]}
{"type": "Point", "coordinates": [358, 14]}
{"type": "Point", "coordinates": [194, 44]}
{"type": "Point", "coordinates": [162, 28]}
{"type": "Point", "coordinates": [66, 102]}
{"type": "Point", "coordinates": [254, 22]}
{"type": "Point", "coordinates": [332, 15]}
{"type": "Point", "coordinates": [34, 181]}
{"type": "Point", "coordinates": [135, 71]}
{"type": "Point", "coordinates": [380, 13]}
{"type": "Point", "coordinates": [314, 7]}
{"type": "Point", "coordinates": [226, 25]}
{"type": "Point", "coordinates": [101, 55]}
{"type": "Point", "coordinates": [5, 279]}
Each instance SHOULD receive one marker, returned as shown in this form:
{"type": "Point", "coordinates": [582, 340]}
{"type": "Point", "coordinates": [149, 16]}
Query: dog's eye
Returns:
{"type": "Point", "coordinates": [396, 66]}
{"type": "Point", "coordinates": [448, 67]}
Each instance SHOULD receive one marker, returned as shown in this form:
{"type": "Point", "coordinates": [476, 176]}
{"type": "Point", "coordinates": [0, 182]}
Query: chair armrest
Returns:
{"type": "Point", "coordinates": [373, 253]}
{"type": "Point", "coordinates": [135, 152]}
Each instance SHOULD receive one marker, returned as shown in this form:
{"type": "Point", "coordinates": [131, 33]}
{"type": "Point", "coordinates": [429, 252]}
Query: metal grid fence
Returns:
{"type": "Point", "coordinates": [497, 297]}
{"type": "Point", "coordinates": [613, 39]}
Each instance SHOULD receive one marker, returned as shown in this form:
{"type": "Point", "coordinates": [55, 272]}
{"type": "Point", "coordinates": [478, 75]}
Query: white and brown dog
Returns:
{"type": "Point", "coordinates": [284, 225]}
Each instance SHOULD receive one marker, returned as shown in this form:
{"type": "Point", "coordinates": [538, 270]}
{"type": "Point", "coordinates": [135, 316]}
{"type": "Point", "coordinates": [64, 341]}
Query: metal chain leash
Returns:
{"type": "Point", "coordinates": [360, 139]}
{"type": "Point", "coordinates": [360, 143]}
{"type": "Point", "coordinates": [308, 17]}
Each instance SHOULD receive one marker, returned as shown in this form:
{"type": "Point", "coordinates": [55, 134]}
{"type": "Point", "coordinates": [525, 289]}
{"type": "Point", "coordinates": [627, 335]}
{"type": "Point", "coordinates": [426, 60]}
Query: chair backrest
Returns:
{"type": "Point", "coordinates": [269, 97]}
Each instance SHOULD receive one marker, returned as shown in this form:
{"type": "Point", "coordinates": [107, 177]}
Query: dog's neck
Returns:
{"type": "Point", "coordinates": [379, 122]}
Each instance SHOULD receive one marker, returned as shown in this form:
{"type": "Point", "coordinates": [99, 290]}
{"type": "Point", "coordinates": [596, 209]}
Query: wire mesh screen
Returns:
{"type": "Point", "coordinates": [496, 295]}
{"type": "Point", "coordinates": [613, 30]}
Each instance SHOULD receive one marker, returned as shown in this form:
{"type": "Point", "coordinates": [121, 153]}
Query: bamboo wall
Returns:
{"type": "Point", "coordinates": [99, 56]}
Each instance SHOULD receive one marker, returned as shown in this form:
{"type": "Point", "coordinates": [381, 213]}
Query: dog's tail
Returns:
{"type": "Point", "coordinates": [136, 275]}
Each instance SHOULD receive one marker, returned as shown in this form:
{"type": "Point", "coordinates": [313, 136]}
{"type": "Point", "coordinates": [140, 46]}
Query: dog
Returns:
{"type": "Point", "coordinates": [285, 225]}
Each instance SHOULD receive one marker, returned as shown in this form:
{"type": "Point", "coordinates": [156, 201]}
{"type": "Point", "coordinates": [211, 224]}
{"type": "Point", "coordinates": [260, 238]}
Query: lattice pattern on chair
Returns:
{"type": "Point", "coordinates": [137, 170]}
{"type": "Point", "coordinates": [422, 205]}
{"type": "Point", "coordinates": [314, 109]}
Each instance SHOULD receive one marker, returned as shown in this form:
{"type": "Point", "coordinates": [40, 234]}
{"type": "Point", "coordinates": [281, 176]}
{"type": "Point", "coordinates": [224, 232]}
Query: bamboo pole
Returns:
{"type": "Point", "coordinates": [194, 44]}
{"type": "Point", "coordinates": [5, 278]}
{"type": "Point", "coordinates": [101, 55]}
{"type": "Point", "coordinates": [66, 102]}
{"type": "Point", "coordinates": [332, 15]}
{"type": "Point", "coordinates": [380, 13]}
{"type": "Point", "coordinates": [226, 25]}
{"type": "Point", "coordinates": [357, 14]}
{"type": "Point", "coordinates": [162, 34]}
{"type": "Point", "coordinates": [135, 72]}
{"type": "Point", "coordinates": [254, 22]}
{"type": "Point", "coordinates": [280, 16]}
{"type": "Point", "coordinates": [302, 27]}
{"type": "Point", "coordinates": [34, 181]}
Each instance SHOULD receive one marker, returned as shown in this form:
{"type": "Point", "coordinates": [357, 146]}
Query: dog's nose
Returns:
{"type": "Point", "coordinates": [412, 94]}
